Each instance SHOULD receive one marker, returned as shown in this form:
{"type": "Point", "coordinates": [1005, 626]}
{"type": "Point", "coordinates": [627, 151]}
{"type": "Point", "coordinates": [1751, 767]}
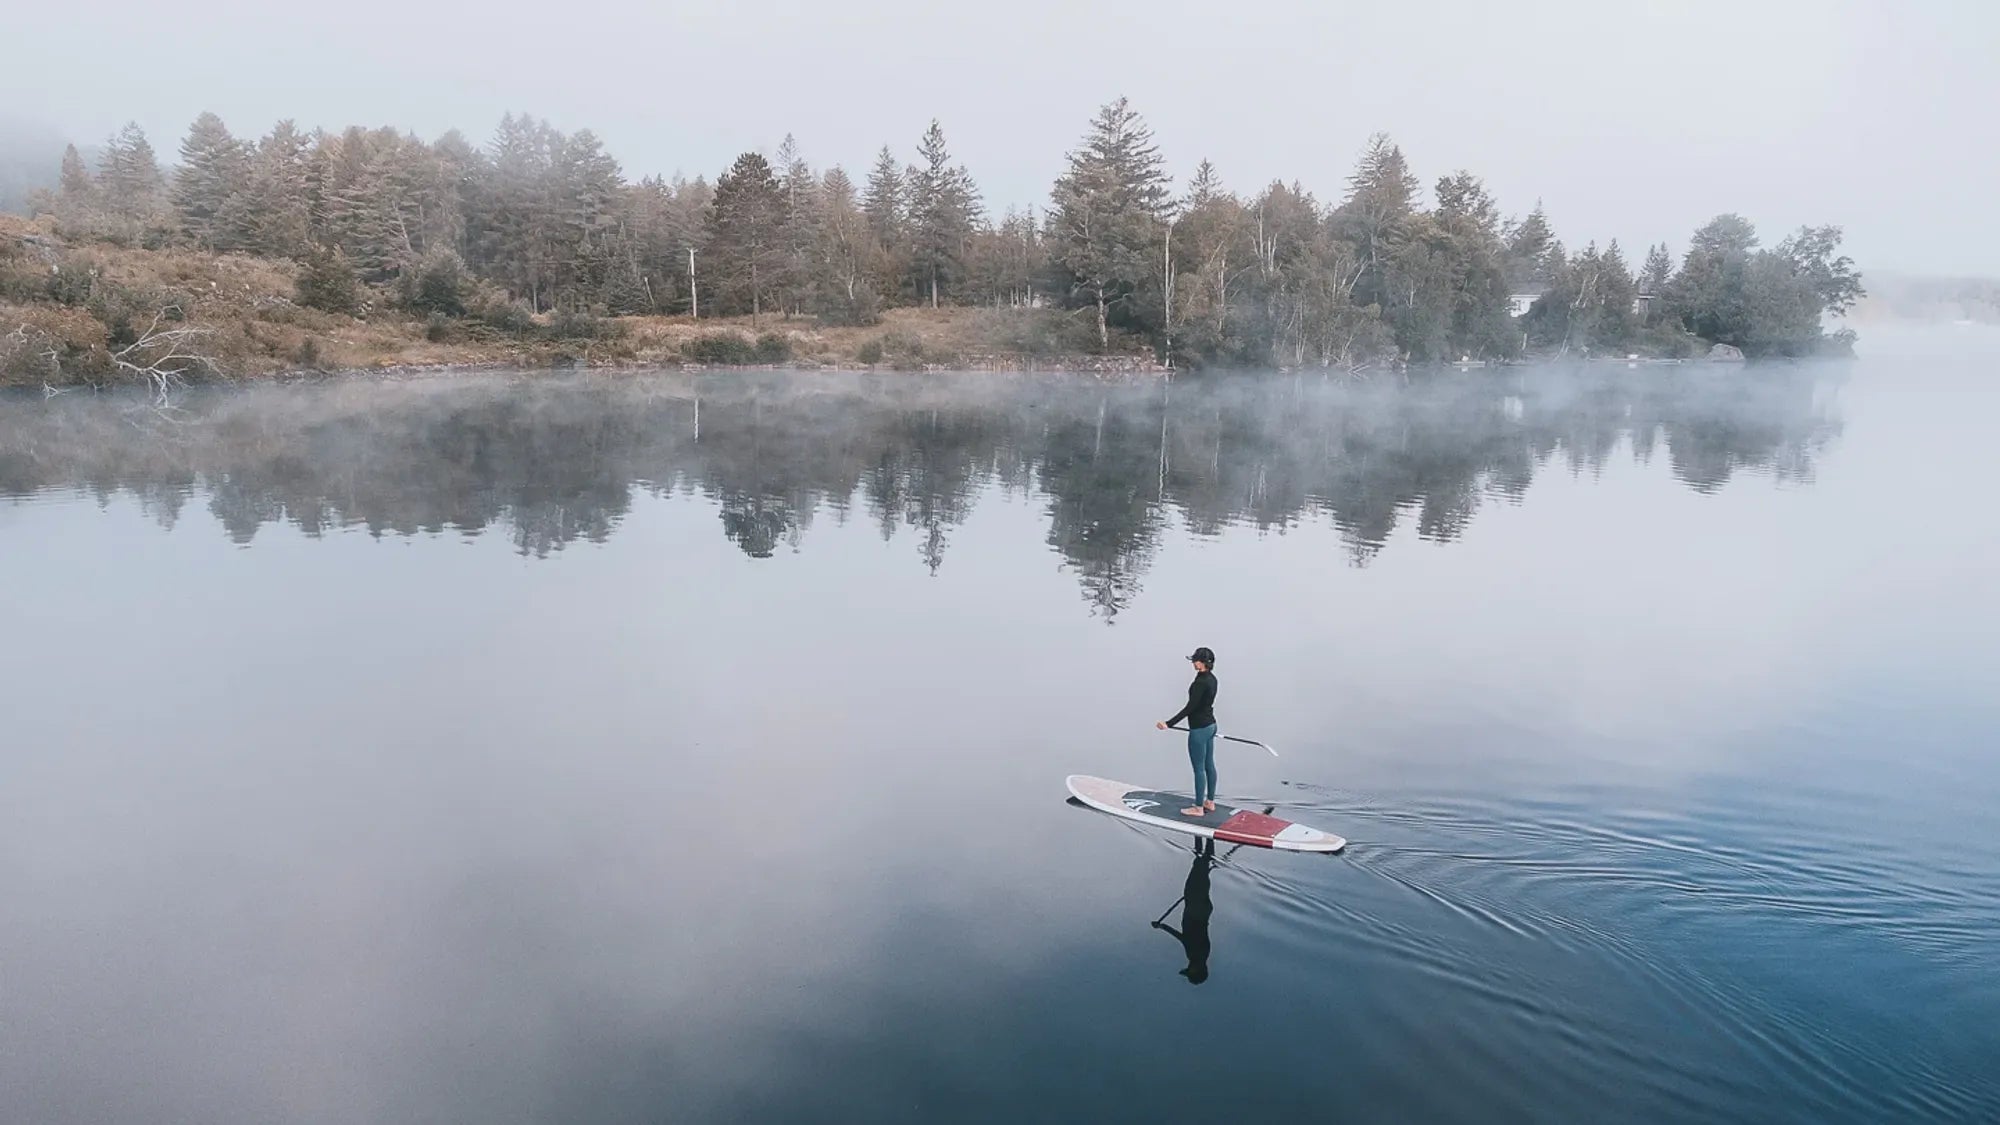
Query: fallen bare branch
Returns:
{"type": "Point", "coordinates": [163, 357]}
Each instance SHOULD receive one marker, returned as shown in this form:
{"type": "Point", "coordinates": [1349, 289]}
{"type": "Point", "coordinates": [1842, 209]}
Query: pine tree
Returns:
{"type": "Point", "coordinates": [327, 282]}
{"type": "Point", "coordinates": [1659, 269]}
{"type": "Point", "coordinates": [746, 248]}
{"type": "Point", "coordinates": [77, 187]}
{"type": "Point", "coordinates": [1708, 295]}
{"type": "Point", "coordinates": [883, 202]}
{"type": "Point", "coordinates": [516, 231]}
{"type": "Point", "coordinates": [582, 196]}
{"type": "Point", "coordinates": [1376, 216]}
{"type": "Point", "coordinates": [1616, 294]}
{"type": "Point", "coordinates": [1110, 211]}
{"type": "Point", "coordinates": [129, 173]}
{"type": "Point", "coordinates": [374, 202]}
{"type": "Point", "coordinates": [277, 218]}
{"type": "Point", "coordinates": [210, 184]}
{"type": "Point", "coordinates": [944, 212]}
{"type": "Point", "coordinates": [800, 228]}
{"type": "Point", "coordinates": [1476, 260]}
{"type": "Point", "coordinates": [1204, 188]}
{"type": "Point", "coordinates": [1527, 250]}
{"type": "Point", "coordinates": [1210, 251]}
{"type": "Point", "coordinates": [457, 171]}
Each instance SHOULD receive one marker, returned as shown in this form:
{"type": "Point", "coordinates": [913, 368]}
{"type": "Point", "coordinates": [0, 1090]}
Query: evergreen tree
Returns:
{"type": "Point", "coordinates": [944, 212]}
{"type": "Point", "coordinates": [210, 184]}
{"type": "Point", "coordinates": [454, 193]}
{"type": "Point", "coordinates": [1528, 246]}
{"type": "Point", "coordinates": [76, 183]}
{"type": "Point", "coordinates": [1470, 225]}
{"type": "Point", "coordinates": [1376, 216]}
{"type": "Point", "coordinates": [1765, 302]}
{"type": "Point", "coordinates": [582, 238]}
{"type": "Point", "coordinates": [1659, 269]}
{"type": "Point", "coordinates": [1709, 292]}
{"type": "Point", "coordinates": [327, 282]}
{"type": "Point", "coordinates": [517, 231]}
{"type": "Point", "coordinates": [745, 242]}
{"type": "Point", "coordinates": [1110, 211]}
{"type": "Point", "coordinates": [129, 173]}
{"type": "Point", "coordinates": [800, 234]}
{"type": "Point", "coordinates": [1617, 292]}
{"type": "Point", "coordinates": [1212, 252]}
{"type": "Point", "coordinates": [276, 218]}
{"type": "Point", "coordinates": [883, 202]}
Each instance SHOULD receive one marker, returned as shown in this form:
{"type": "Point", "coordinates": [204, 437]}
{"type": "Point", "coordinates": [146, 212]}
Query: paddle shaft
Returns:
{"type": "Point", "coordinates": [1233, 738]}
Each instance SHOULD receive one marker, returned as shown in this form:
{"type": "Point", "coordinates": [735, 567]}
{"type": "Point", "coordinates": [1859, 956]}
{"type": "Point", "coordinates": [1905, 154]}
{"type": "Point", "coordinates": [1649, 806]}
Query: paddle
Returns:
{"type": "Point", "coordinates": [1233, 738]}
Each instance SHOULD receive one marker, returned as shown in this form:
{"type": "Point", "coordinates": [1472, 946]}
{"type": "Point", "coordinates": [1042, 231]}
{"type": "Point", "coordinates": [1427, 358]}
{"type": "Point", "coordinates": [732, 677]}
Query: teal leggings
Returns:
{"type": "Point", "coordinates": [1201, 755]}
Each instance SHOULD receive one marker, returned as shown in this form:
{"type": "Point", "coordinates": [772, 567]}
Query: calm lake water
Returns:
{"type": "Point", "coordinates": [691, 748]}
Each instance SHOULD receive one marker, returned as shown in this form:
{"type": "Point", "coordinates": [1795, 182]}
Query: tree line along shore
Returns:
{"type": "Point", "coordinates": [372, 247]}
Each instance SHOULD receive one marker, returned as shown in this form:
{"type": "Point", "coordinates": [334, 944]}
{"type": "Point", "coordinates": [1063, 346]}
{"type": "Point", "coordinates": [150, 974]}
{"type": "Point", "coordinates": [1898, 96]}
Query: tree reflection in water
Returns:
{"type": "Point", "coordinates": [554, 459]}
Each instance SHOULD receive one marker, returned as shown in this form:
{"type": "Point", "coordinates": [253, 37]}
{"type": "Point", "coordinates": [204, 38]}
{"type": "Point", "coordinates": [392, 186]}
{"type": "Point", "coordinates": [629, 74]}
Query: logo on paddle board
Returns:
{"type": "Point", "coordinates": [1140, 804]}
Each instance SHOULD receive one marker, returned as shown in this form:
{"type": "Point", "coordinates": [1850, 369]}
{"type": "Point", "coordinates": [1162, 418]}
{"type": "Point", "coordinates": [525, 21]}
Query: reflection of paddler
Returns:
{"type": "Point", "coordinates": [1193, 933]}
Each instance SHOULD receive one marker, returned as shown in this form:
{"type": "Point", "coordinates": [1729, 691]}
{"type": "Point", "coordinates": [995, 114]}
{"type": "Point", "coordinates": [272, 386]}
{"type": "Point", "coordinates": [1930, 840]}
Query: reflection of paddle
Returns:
{"type": "Point", "coordinates": [1233, 738]}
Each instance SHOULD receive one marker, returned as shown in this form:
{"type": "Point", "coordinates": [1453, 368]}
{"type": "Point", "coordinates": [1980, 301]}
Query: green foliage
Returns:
{"type": "Point", "coordinates": [76, 182]}
{"type": "Point", "coordinates": [725, 348]}
{"type": "Point", "coordinates": [900, 348]}
{"type": "Point", "coordinates": [437, 285]}
{"type": "Point", "coordinates": [328, 283]}
{"type": "Point", "coordinates": [871, 350]}
{"type": "Point", "coordinates": [539, 233]}
{"type": "Point", "coordinates": [859, 310]}
{"type": "Point", "coordinates": [129, 175]}
{"type": "Point", "coordinates": [944, 211]}
{"type": "Point", "coordinates": [745, 235]}
{"type": "Point", "coordinates": [773, 347]}
{"type": "Point", "coordinates": [1110, 212]}
{"type": "Point", "coordinates": [1764, 302]}
{"type": "Point", "coordinates": [211, 186]}
{"type": "Point", "coordinates": [578, 324]}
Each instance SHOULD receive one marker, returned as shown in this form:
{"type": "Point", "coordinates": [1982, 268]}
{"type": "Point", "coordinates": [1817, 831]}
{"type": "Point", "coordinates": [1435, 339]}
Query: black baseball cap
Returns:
{"type": "Point", "coordinates": [1204, 654]}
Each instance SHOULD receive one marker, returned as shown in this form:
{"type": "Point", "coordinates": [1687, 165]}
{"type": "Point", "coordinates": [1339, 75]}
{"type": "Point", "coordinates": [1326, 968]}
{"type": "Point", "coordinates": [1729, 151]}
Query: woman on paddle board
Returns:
{"type": "Point", "coordinates": [1200, 716]}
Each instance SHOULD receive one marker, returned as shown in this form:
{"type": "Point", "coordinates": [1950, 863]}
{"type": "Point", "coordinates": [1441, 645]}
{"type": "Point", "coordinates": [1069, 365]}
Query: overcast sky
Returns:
{"type": "Point", "coordinates": [1632, 120]}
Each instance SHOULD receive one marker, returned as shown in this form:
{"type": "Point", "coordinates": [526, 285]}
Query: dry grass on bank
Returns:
{"type": "Point", "coordinates": [66, 310]}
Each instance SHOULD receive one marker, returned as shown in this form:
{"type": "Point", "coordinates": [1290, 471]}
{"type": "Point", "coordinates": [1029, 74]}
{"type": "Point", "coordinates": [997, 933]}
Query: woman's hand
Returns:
{"type": "Point", "coordinates": [1161, 726]}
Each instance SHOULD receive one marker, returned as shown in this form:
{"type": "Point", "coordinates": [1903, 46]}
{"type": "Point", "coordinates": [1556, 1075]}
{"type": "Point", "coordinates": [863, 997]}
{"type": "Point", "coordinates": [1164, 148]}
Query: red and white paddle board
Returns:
{"type": "Point", "coordinates": [1231, 825]}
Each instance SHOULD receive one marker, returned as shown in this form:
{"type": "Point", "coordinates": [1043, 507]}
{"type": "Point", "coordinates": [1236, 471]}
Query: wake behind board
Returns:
{"type": "Point", "coordinates": [1231, 825]}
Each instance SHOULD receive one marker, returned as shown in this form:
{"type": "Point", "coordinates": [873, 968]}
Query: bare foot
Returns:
{"type": "Point", "coordinates": [1208, 806]}
{"type": "Point", "coordinates": [1193, 810]}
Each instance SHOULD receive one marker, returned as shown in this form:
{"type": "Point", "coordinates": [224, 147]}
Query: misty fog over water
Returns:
{"type": "Point", "coordinates": [661, 746]}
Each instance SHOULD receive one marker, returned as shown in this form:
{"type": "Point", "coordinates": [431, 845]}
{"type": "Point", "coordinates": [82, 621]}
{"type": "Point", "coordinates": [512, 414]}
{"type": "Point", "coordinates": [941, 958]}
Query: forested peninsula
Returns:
{"type": "Point", "coordinates": [367, 248]}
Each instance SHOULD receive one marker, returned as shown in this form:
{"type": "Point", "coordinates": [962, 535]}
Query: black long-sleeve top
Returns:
{"type": "Point", "coordinates": [1200, 709]}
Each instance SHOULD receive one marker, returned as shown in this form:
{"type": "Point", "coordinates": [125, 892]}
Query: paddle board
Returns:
{"type": "Point", "coordinates": [1232, 825]}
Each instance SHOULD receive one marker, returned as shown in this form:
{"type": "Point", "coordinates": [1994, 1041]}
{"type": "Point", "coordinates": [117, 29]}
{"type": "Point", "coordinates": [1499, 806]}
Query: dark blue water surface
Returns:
{"type": "Point", "coordinates": [673, 747]}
